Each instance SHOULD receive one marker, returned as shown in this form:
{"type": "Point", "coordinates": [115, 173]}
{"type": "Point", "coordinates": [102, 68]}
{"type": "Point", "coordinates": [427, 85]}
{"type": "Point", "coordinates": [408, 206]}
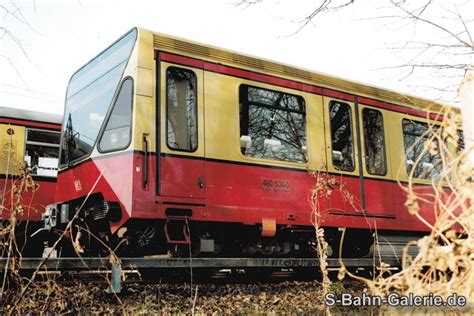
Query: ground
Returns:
{"type": "Point", "coordinates": [212, 298]}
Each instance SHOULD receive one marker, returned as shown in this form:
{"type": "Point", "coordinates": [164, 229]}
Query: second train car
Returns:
{"type": "Point", "coordinates": [31, 138]}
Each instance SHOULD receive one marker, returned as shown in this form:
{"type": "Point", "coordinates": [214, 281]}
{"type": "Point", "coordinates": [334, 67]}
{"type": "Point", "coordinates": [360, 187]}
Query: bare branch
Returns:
{"type": "Point", "coordinates": [424, 7]}
{"type": "Point", "coordinates": [433, 45]}
{"type": "Point", "coordinates": [435, 25]}
{"type": "Point", "coordinates": [325, 6]}
{"type": "Point", "coordinates": [15, 69]}
{"type": "Point", "coordinates": [246, 3]}
{"type": "Point", "coordinates": [6, 32]}
{"type": "Point", "coordinates": [17, 14]}
{"type": "Point", "coordinates": [465, 27]}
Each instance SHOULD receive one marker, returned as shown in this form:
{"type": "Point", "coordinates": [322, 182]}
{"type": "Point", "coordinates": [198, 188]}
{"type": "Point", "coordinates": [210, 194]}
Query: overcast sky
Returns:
{"type": "Point", "coordinates": [57, 37]}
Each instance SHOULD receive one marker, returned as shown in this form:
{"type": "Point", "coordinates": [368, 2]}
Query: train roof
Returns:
{"type": "Point", "coordinates": [30, 115]}
{"type": "Point", "coordinates": [226, 57]}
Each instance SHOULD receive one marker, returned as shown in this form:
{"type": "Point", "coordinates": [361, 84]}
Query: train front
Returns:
{"type": "Point", "coordinates": [104, 151]}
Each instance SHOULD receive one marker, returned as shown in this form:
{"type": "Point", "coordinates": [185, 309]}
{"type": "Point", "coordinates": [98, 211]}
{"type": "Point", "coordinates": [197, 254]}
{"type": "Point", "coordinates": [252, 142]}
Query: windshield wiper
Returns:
{"type": "Point", "coordinates": [69, 141]}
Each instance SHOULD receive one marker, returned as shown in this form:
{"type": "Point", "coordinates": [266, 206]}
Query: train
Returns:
{"type": "Point", "coordinates": [28, 139]}
{"type": "Point", "coordinates": [172, 147]}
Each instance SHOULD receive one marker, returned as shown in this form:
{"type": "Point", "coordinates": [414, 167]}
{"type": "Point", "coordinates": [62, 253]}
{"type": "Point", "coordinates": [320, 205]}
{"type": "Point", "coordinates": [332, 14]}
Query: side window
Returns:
{"type": "Point", "coordinates": [42, 152]}
{"type": "Point", "coordinates": [272, 125]}
{"type": "Point", "coordinates": [181, 109]}
{"type": "Point", "coordinates": [372, 121]}
{"type": "Point", "coordinates": [118, 129]}
{"type": "Point", "coordinates": [341, 136]}
{"type": "Point", "coordinates": [461, 144]}
{"type": "Point", "coordinates": [425, 162]}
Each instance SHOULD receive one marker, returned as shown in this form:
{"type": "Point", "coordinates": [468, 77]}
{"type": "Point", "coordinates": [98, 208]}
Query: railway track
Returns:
{"type": "Point", "coordinates": [166, 263]}
{"type": "Point", "coordinates": [133, 270]}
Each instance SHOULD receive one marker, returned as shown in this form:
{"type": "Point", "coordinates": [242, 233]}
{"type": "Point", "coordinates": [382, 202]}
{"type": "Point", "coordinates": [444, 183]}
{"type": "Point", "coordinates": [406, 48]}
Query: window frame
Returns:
{"type": "Point", "coordinates": [427, 124]}
{"type": "Point", "coordinates": [196, 106]}
{"type": "Point", "coordinates": [35, 143]}
{"type": "Point", "coordinates": [109, 114]}
{"type": "Point", "coordinates": [384, 143]}
{"type": "Point", "coordinates": [77, 160]}
{"type": "Point", "coordinates": [461, 144]}
{"type": "Point", "coordinates": [303, 112]}
{"type": "Point", "coordinates": [354, 162]}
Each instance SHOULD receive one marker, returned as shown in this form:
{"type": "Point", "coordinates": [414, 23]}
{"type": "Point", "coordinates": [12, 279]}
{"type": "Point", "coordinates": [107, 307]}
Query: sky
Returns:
{"type": "Point", "coordinates": [48, 40]}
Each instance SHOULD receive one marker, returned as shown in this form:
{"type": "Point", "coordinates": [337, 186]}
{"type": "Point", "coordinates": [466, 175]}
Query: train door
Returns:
{"type": "Point", "coordinates": [181, 161]}
{"type": "Point", "coordinates": [378, 183]}
{"type": "Point", "coordinates": [12, 149]}
{"type": "Point", "coordinates": [342, 157]}
{"type": "Point", "coordinates": [12, 152]}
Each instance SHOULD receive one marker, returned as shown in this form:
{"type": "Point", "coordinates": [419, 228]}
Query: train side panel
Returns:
{"type": "Point", "coordinates": [13, 142]}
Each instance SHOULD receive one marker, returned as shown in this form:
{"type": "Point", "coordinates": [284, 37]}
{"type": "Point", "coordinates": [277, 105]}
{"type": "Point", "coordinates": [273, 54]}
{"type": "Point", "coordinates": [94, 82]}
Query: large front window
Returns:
{"type": "Point", "coordinates": [89, 96]}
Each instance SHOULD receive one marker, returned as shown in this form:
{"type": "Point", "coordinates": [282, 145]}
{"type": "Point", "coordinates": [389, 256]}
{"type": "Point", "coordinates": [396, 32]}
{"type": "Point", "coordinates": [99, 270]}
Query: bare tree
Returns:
{"type": "Point", "coordinates": [440, 43]}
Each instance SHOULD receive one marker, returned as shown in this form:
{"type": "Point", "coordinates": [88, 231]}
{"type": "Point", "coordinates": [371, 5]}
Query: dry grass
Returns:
{"type": "Point", "coordinates": [11, 208]}
{"type": "Point", "coordinates": [444, 265]}
{"type": "Point", "coordinates": [19, 293]}
{"type": "Point", "coordinates": [325, 186]}
{"type": "Point", "coordinates": [321, 189]}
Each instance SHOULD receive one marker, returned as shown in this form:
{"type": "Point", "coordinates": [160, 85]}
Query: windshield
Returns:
{"type": "Point", "coordinates": [89, 96]}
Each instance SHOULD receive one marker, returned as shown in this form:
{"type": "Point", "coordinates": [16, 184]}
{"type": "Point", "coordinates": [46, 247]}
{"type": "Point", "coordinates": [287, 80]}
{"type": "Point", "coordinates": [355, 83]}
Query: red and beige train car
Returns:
{"type": "Point", "coordinates": [177, 142]}
{"type": "Point", "coordinates": [32, 138]}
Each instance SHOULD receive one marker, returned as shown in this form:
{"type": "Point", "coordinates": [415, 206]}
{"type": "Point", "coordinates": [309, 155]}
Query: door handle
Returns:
{"type": "Point", "coordinates": [145, 161]}
{"type": "Point", "coordinates": [200, 183]}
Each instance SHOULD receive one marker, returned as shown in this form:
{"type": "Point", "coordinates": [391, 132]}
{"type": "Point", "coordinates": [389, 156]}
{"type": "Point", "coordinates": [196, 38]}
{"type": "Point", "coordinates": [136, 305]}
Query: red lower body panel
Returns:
{"type": "Point", "coordinates": [237, 192]}
{"type": "Point", "coordinates": [33, 203]}
{"type": "Point", "coordinates": [246, 193]}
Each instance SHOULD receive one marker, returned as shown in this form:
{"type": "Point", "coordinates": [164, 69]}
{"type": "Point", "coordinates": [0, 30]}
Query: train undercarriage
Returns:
{"type": "Point", "coordinates": [89, 235]}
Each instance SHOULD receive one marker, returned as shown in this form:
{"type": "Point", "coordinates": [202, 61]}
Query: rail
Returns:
{"type": "Point", "coordinates": [163, 263]}
{"type": "Point", "coordinates": [117, 266]}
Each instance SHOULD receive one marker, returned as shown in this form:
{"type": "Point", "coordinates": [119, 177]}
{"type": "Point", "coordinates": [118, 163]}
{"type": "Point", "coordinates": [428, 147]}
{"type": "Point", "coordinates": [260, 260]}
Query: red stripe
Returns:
{"type": "Point", "coordinates": [239, 73]}
{"type": "Point", "coordinates": [398, 108]}
{"type": "Point", "coordinates": [338, 95]}
{"type": "Point", "coordinates": [30, 123]}
{"type": "Point", "coordinates": [182, 60]}
{"type": "Point", "coordinates": [201, 64]}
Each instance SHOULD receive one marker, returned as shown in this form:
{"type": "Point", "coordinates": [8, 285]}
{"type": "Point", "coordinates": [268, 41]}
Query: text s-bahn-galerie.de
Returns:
{"type": "Point", "coordinates": [32, 138]}
{"type": "Point", "coordinates": [176, 143]}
